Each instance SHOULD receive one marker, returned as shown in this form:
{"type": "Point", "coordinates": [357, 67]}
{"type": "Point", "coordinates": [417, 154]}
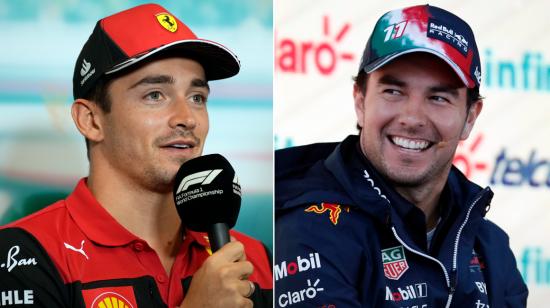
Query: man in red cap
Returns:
{"type": "Point", "coordinates": [383, 219]}
{"type": "Point", "coordinates": [140, 86]}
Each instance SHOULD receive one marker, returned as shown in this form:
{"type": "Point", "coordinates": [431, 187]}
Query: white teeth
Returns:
{"type": "Point", "coordinates": [181, 146]}
{"type": "Point", "coordinates": [410, 144]}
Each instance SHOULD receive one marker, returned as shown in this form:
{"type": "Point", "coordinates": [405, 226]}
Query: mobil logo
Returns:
{"type": "Point", "coordinates": [301, 264]}
{"type": "Point", "coordinates": [320, 55]}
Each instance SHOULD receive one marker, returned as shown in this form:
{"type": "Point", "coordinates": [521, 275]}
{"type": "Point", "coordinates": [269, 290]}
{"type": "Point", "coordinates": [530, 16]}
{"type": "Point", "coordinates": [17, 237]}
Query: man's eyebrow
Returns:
{"type": "Point", "coordinates": [451, 90]}
{"type": "Point", "coordinates": [394, 81]}
{"type": "Point", "coordinates": [200, 83]}
{"type": "Point", "coordinates": [391, 80]}
{"type": "Point", "coordinates": [153, 79]}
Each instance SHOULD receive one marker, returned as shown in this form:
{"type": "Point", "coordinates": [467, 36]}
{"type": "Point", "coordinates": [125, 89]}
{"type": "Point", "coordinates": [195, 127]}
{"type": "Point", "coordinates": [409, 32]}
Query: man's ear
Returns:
{"type": "Point", "coordinates": [471, 117]}
{"type": "Point", "coordinates": [359, 99]}
{"type": "Point", "coordinates": [88, 118]}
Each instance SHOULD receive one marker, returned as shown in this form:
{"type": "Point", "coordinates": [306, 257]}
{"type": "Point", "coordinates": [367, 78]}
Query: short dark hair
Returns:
{"type": "Point", "coordinates": [99, 95]}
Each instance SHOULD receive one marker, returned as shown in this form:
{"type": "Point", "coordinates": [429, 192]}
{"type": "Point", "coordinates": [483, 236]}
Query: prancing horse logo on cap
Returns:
{"type": "Point", "coordinates": [167, 21]}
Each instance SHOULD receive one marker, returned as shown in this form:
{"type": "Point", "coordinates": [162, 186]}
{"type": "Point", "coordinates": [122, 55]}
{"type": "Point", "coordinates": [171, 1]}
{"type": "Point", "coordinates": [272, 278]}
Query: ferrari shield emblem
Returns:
{"type": "Point", "coordinates": [167, 21]}
{"type": "Point", "coordinates": [395, 263]}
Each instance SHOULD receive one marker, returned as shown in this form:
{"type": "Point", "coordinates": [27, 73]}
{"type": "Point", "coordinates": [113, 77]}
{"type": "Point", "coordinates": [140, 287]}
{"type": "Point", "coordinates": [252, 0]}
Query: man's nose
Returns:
{"type": "Point", "coordinates": [412, 112]}
{"type": "Point", "coordinates": [182, 115]}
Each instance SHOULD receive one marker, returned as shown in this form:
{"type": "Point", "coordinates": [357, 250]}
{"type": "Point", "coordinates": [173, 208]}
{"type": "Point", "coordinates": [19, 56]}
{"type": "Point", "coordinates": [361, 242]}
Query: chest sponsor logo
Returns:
{"type": "Point", "coordinates": [16, 297]}
{"type": "Point", "coordinates": [300, 265]}
{"type": "Point", "coordinates": [110, 297]}
{"type": "Point", "coordinates": [296, 297]}
{"type": "Point", "coordinates": [79, 250]}
{"type": "Point", "coordinates": [413, 291]}
{"type": "Point", "coordinates": [12, 260]}
{"type": "Point", "coordinates": [476, 263]}
{"type": "Point", "coordinates": [333, 209]}
{"type": "Point", "coordinates": [481, 286]}
{"type": "Point", "coordinates": [395, 262]}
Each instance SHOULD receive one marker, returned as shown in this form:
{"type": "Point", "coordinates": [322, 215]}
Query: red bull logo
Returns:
{"type": "Point", "coordinates": [395, 263]}
{"type": "Point", "coordinates": [333, 209]}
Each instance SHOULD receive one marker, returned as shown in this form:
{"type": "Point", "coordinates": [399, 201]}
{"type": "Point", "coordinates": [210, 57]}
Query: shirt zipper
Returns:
{"type": "Point", "coordinates": [452, 287]}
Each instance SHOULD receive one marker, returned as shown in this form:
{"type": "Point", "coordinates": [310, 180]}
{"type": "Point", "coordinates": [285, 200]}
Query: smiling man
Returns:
{"type": "Point", "coordinates": [383, 219]}
{"type": "Point", "coordinates": [140, 86]}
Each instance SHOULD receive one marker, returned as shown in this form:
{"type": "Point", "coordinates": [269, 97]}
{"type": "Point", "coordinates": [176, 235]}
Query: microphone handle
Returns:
{"type": "Point", "coordinates": [218, 235]}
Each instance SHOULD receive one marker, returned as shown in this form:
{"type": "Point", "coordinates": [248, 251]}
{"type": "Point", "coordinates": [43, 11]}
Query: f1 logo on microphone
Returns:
{"type": "Point", "coordinates": [202, 177]}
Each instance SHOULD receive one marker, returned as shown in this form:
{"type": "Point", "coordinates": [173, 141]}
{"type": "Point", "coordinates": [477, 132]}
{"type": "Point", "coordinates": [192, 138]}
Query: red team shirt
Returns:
{"type": "Point", "coordinates": [75, 254]}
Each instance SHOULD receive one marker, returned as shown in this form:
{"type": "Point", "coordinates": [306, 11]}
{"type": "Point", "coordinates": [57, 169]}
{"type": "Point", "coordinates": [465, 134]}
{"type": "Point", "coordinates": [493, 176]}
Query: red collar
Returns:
{"type": "Point", "coordinates": [100, 227]}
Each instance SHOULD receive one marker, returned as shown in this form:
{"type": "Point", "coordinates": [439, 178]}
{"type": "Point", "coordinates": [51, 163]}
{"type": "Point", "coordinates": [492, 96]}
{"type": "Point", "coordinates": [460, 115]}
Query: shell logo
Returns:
{"type": "Point", "coordinates": [111, 300]}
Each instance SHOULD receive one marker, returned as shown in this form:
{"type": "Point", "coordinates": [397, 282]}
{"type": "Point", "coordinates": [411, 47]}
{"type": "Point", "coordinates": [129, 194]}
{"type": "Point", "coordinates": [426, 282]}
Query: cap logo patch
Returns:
{"type": "Point", "coordinates": [443, 32]}
{"type": "Point", "coordinates": [85, 71]}
{"type": "Point", "coordinates": [477, 73]}
{"type": "Point", "coordinates": [395, 31]}
{"type": "Point", "coordinates": [167, 21]}
{"type": "Point", "coordinates": [85, 67]}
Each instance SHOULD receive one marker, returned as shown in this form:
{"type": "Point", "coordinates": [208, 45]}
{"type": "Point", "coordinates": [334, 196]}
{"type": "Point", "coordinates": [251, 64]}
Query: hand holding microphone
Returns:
{"type": "Point", "coordinates": [208, 199]}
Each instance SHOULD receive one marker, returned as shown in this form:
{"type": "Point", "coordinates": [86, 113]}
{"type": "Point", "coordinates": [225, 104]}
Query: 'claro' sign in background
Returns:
{"type": "Point", "coordinates": [318, 45]}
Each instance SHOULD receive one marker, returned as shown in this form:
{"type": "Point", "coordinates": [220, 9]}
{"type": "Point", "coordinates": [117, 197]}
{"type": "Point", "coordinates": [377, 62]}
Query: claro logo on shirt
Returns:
{"type": "Point", "coordinates": [296, 297]}
{"type": "Point", "coordinates": [120, 297]}
{"type": "Point", "coordinates": [300, 265]}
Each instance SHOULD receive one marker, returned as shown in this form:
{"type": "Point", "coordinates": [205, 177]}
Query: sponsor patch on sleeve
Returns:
{"type": "Point", "coordinates": [333, 210]}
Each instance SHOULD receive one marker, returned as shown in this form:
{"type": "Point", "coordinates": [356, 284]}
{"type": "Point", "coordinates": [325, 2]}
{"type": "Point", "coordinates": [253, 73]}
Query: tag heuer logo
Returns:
{"type": "Point", "coordinates": [395, 263]}
{"type": "Point", "coordinates": [167, 21]}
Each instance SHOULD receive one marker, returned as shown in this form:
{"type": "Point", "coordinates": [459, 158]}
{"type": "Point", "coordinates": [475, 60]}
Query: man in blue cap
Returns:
{"type": "Point", "coordinates": [383, 219]}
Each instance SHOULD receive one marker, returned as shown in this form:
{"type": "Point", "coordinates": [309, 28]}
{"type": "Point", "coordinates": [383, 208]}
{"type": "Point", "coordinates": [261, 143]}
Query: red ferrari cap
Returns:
{"type": "Point", "coordinates": [128, 37]}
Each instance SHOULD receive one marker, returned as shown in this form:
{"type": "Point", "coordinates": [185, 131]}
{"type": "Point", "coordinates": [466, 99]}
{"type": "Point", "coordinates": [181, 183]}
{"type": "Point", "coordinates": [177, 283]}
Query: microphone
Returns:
{"type": "Point", "coordinates": [207, 195]}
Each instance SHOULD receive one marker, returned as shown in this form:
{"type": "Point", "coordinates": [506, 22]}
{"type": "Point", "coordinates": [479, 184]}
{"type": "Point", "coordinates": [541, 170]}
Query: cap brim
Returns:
{"type": "Point", "coordinates": [384, 60]}
{"type": "Point", "coordinates": [218, 61]}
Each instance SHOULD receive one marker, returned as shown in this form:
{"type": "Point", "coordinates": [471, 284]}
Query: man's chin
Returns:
{"type": "Point", "coordinates": [409, 177]}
